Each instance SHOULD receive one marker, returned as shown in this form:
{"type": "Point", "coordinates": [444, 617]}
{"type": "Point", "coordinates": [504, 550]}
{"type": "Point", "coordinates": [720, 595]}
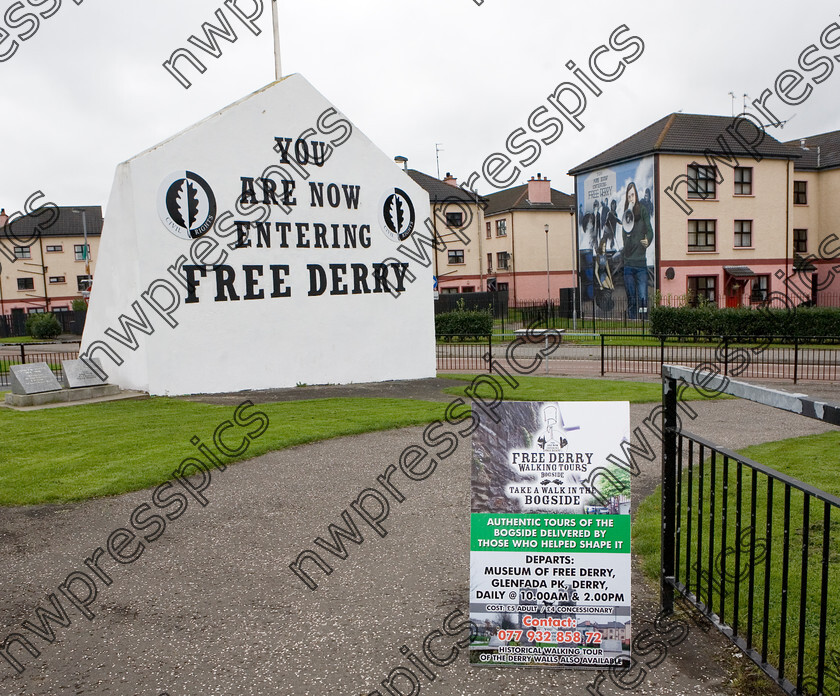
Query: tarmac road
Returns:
{"type": "Point", "coordinates": [212, 608]}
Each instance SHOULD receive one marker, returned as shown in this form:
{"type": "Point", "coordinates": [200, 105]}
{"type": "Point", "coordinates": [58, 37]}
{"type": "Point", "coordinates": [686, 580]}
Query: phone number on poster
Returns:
{"type": "Point", "coordinates": [546, 636]}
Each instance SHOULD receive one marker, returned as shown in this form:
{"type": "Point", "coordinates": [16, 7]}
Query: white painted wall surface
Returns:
{"type": "Point", "coordinates": [220, 346]}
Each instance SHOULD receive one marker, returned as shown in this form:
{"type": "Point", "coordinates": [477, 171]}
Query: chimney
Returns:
{"type": "Point", "coordinates": [449, 179]}
{"type": "Point", "coordinates": [3, 217]}
{"type": "Point", "coordinates": [539, 190]}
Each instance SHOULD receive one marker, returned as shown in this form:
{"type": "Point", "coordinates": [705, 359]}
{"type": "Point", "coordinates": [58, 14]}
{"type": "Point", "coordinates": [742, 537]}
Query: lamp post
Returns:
{"type": "Point", "coordinates": [548, 296]}
{"type": "Point", "coordinates": [547, 276]}
{"type": "Point", "coordinates": [575, 278]}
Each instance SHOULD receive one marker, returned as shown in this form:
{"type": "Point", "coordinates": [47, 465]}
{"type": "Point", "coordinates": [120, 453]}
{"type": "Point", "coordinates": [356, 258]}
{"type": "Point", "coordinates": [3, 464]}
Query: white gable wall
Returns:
{"type": "Point", "coordinates": [270, 342]}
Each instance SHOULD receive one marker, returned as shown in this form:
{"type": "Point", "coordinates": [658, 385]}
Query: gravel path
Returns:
{"type": "Point", "coordinates": [211, 607]}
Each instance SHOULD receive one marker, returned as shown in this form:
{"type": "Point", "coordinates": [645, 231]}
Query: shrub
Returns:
{"type": "Point", "coordinates": [79, 305]}
{"type": "Point", "coordinates": [43, 326]}
{"type": "Point", "coordinates": [463, 323]}
{"type": "Point", "coordinates": [710, 321]}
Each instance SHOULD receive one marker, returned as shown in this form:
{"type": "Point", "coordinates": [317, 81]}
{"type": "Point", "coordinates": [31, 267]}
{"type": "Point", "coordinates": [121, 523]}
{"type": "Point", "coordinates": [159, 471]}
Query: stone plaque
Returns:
{"type": "Point", "coordinates": [78, 374]}
{"type": "Point", "coordinates": [33, 378]}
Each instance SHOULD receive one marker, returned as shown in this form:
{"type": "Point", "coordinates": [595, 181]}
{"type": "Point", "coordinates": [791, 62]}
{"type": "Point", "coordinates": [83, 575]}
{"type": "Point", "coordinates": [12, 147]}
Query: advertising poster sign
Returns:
{"type": "Point", "coordinates": [550, 555]}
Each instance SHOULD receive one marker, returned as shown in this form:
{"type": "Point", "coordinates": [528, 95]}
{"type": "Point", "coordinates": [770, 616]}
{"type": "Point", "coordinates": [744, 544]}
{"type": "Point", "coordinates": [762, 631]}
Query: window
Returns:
{"type": "Point", "coordinates": [760, 288]}
{"type": "Point", "coordinates": [79, 250]}
{"type": "Point", "coordinates": [503, 287]}
{"type": "Point", "coordinates": [36, 310]}
{"type": "Point", "coordinates": [456, 256]}
{"type": "Point", "coordinates": [54, 247]}
{"type": "Point", "coordinates": [702, 288]}
{"type": "Point", "coordinates": [454, 219]}
{"type": "Point", "coordinates": [22, 253]}
{"type": "Point", "coordinates": [83, 282]}
{"type": "Point", "coordinates": [701, 235]}
{"type": "Point", "coordinates": [54, 280]}
{"type": "Point", "coordinates": [501, 228]}
{"type": "Point", "coordinates": [26, 283]}
{"type": "Point", "coordinates": [502, 260]}
{"type": "Point", "coordinates": [468, 288]}
{"type": "Point", "coordinates": [449, 291]}
{"type": "Point", "coordinates": [489, 263]}
{"type": "Point", "coordinates": [702, 182]}
{"type": "Point", "coordinates": [743, 181]}
{"type": "Point", "coordinates": [488, 230]}
{"type": "Point", "coordinates": [800, 241]}
{"type": "Point", "coordinates": [800, 193]}
{"type": "Point", "coordinates": [743, 233]}
{"type": "Point", "coordinates": [58, 310]}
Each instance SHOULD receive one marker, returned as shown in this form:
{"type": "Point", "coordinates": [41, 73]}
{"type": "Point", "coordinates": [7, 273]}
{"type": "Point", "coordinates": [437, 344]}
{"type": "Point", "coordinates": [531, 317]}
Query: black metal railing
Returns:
{"type": "Point", "coordinates": [20, 354]}
{"type": "Point", "coordinates": [464, 353]}
{"type": "Point", "coordinates": [753, 549]}
{"type": "Point", "coordinates": [580, 316]}
{"type": "Point", "coordinates": [773, 357]}
{"type": "Point", "coordinates": [14, 325]}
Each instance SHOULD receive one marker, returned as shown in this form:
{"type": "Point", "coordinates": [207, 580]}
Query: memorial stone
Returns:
{"type": "Point", "coordinates": [33, 379]}
{"type": "Point", "coordinates": [78, 374]}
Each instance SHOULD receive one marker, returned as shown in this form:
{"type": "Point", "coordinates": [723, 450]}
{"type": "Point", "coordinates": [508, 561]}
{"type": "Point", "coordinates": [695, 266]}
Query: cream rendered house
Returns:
{"type": "Point", "coordinates": [498, 242]}
{"type": "Point", "coordinates": [726, 201]}
{"type": "Point", "coordinates": [529, 240]}
{"type": "Point", "coordinates": [455, 220]}
{"type": "Point", "coordinates": [44, 265]}
{"type": "Point", "coordinates": [816, 223]}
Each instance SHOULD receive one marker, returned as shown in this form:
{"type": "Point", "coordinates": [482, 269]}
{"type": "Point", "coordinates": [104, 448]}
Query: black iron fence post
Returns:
{"type": "Point", "coordinates": [602, 355]}
{"type": "Point", "coordinates": [22, 353]}
{"type": "Point", "coordinates": [661, 353]}
{"type": "Point", "coordinates": [725, 355]}
{"type": "Point", "coordinates": [669, 495]}
{"type": "Point", "coordinates": [795, 358]}
{"type": "Point", "coordinates": [490, 353]}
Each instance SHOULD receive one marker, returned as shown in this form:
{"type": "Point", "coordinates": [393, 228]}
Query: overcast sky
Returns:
{"type": "Point", "coordinates": [88, 91]}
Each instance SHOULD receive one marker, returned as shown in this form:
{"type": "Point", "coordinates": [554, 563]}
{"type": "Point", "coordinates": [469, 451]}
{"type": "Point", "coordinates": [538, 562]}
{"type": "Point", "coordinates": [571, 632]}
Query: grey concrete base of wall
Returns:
{"type": "Point", "coordinates": [64, 395]}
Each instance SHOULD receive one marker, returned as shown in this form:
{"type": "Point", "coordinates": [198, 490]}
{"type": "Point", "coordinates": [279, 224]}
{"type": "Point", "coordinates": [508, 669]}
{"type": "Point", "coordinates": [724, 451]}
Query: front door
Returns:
{"type": "Point", "coordinates": [18, 322]}
{"type": "Point", "coordinates": [735, 293]}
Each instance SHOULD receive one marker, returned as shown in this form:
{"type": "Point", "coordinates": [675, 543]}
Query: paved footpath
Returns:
{"type": "Point", "coordinates": [212, 607]}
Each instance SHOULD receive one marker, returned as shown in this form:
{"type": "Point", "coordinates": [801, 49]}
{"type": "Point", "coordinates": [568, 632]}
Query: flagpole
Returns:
{"type": "Point", "coordinates": [278, 73]}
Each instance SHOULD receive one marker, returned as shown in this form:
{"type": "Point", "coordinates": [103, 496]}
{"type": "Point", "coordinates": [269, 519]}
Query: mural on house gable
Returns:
{"type": "Point", "coordinates": [616, 224]}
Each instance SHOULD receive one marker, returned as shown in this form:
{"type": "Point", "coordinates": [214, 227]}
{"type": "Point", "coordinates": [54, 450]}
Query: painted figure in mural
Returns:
{"type": "Point", "coordinates": [608, 236]}
{"type": "Point", "coordinates": [605, 214]}
{"type": "Point", "coordinates": [648, 203]}
{"type": "Point", "coordinates": [637, 235]}
{"type": "Point", "coordinates": [596, 213]}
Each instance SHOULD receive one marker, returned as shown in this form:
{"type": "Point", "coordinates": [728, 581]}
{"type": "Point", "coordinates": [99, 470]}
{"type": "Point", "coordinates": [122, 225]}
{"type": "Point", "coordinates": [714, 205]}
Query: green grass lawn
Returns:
{"type": "Point", "coordinates": [812, 459]}
{"type": "Point", "coordinates": [19, 339]}
{"type": "Point", "coordinates": [533, 388]}
{"type": "Point", "coordinates": [69, 454]}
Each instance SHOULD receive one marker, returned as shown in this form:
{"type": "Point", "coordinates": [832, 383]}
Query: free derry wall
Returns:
{"type": "Point", "coordinates": [260, 248]}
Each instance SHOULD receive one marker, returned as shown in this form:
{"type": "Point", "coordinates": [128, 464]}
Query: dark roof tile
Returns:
{"type": "Point", "coordinates": [440, 192]}
{"type": "Point", "coordinates": [516, 198]}
{"type": "Point", "coordinates": [684, 134]}
{"type": "Point", "coordinates": [823, 151]}
{"type": "Point", "coordinates": [68, 224]}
